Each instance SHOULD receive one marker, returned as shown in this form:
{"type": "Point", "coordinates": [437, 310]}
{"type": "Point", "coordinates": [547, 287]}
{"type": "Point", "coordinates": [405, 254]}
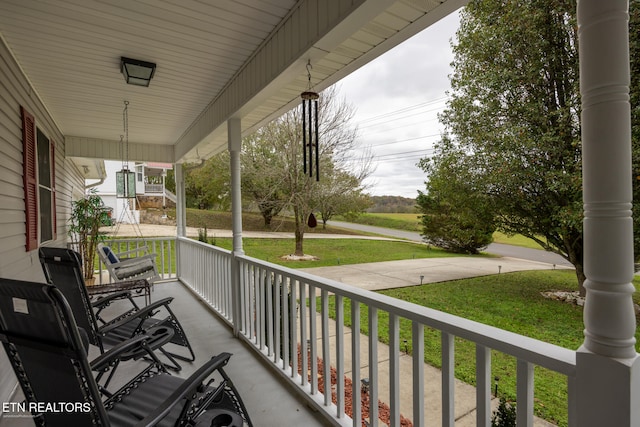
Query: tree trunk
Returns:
{"type": "Point", "coordinates": [581, 278]}
{"type": "Point", "coordinates": [575, 257]}
{"type": "Point", "coordinates": [299, 232]}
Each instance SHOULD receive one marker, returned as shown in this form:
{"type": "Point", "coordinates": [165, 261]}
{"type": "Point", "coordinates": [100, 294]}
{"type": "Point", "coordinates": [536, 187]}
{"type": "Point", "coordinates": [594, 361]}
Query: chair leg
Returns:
{"type": "Point", "coordinates": [173, 365]}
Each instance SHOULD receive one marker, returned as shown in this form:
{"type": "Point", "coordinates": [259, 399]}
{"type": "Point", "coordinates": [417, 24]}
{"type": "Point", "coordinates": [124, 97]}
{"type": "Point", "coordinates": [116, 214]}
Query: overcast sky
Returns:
{"type": "Point", "coordinates": [397, 98]}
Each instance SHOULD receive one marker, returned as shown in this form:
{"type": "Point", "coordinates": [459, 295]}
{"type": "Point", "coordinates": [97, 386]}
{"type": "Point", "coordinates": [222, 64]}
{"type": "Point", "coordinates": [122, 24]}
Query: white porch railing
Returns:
{"type": "Point", "coordinates": [153, 188]}
{"type": "Point", "coordinates": [207, 270]}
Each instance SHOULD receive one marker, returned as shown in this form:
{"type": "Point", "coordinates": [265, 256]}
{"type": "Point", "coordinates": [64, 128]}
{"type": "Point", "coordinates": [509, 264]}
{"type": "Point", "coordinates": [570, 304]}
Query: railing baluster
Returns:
{"type": "Point", "coordinates": [162, 258]}
{"type": "Point", "coordinates": [339, 300]}
{"type": "Point", "coordinates": [524, 394]}
{"type": "Point", "coordinates": [269, 313]}
{"type": "Point", "coordinates": [285, 322]}
{"type": "Point", "coordinates": [572, 404]}
{"type": "Point", "coordinates": [245, 301]}
{"type": "Point", "coordinates": [326, 348]}
{"type": "Point", "coordinates": [417, 354]}
{"type": "Point", "coordinates": [355, 365]}
{"type": "Point", "coordinates": [483, 386]}
{"type": "Point", "coordinates": [313, 339]}
{"type": "Point", "coordinates": [171, 251]}
{"type": "Point", "coordinates": [277, 355]}
{"type": "Point", "coordinates": [260, 318]}
{"type": "Point", "coordinates": [304, 348]}
{"type": "Point", "coordinates": [251, 303]}
{"type": "Point", "coordinates": [394, 369]}
{"type": "Point", "coordinates": [373, 366]}
{"type": "Point", "coordinates": [448, 380]}
{"type": "Point", "coordinates": [293, 330]}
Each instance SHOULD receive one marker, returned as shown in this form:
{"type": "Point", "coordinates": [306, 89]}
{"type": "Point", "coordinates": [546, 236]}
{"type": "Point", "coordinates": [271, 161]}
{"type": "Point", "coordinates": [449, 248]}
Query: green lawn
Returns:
{"type": "Point", "coordinates": [334, 251]}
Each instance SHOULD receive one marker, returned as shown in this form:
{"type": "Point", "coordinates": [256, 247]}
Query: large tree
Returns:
{"type": "Point", "coordinates": [262, 171]}
{"type": "Point", "coordinates": [207, 184]}
{"type": "Point", "coordinates": [273, 166]}
{"type": "Point", "coordinates": [456, 215]}
{"type": "Point", "coordinates": [514, 111]}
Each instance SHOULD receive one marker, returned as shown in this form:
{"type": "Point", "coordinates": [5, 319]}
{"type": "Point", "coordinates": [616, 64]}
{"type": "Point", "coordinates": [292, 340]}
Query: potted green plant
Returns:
{"type": "Point", "coordinates": [87, 216]}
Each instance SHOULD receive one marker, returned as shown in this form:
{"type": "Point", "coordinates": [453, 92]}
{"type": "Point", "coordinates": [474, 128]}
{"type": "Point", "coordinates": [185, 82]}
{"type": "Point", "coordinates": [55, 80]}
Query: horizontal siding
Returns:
{"type": "Point", "coordinates": [15, 262]}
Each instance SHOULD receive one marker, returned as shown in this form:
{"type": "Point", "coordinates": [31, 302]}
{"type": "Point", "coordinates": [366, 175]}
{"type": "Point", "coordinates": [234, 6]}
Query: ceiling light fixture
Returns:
{"type": "Point", "coordinates": [136, 72]}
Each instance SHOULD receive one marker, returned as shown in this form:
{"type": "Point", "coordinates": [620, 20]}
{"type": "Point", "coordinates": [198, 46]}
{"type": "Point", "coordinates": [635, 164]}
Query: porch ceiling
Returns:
{"type": "Point", "coordinates": [216, 59]}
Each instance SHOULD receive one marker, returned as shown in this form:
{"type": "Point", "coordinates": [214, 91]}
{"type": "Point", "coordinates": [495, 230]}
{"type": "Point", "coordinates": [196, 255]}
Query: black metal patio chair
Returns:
{"type": "Point", "coordinates": [45, 349]}
{"type": "Point", "coordinates": [62, 268]}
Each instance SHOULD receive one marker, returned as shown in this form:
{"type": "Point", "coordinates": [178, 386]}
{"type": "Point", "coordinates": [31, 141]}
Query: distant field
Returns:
{"type": "Point", "coordinates": [517, 240]}
{"type": "Point", "coordinates": [411, 222]}
{"type": "Point", "coordinates": [397, 221]}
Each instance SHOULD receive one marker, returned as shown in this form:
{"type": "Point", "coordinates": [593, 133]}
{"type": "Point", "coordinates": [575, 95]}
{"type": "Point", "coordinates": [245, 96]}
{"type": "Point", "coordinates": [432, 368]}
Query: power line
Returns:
{"type": "Point", "coordinates": [414, 152]}
{"type": "Point", "coordinates": [402, 110]}
{"type": "Point", "coordinates": [405, 140]}
{"type": "Point", "coordinates": [392, 119]}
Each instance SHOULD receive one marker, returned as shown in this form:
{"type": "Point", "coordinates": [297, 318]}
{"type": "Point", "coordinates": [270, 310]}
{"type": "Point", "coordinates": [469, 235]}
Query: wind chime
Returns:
{"type": "Point", "coordinates": [310, 139]}
{"type": "Point", "coordinates": [125, 179]}
{"type": "Point", "coordinates": [310, 128]}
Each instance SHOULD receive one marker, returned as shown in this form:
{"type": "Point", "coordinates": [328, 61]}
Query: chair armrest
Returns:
{"type": "Point", "coordinates": [134, 261]}
{"type": "Point", "coordinates": [105, 301]}
{"type": "Point", "coordinates": [186, 389]}
{"type": "Point", "coordinates": [143, 313]}
{"type": "Point", "coordinates": [105, 360]}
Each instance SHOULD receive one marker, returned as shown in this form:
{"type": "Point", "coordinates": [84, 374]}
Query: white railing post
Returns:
{"type": "Point", "coordinates": [180, 213]}
{"type": "Point", "coordinates": [483, 386]}
{"type": "Point", "coordinates": [417, 354]}
{"type": "Point", "coordinates": [607, 365]}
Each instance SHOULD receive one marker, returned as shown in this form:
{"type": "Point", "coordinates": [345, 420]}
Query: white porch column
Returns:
{"type": "Point", "coordinates": [181, 219]}
{"type": "Point", "coordinates": [180, 212]}
{"type": "Point", "coordinates": [235, 144]}
{"type": "Point", "coordinates": [608, 371]}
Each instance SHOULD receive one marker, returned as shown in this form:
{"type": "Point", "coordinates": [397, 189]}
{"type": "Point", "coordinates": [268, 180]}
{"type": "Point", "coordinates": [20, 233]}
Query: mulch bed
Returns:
{"type": "Point", "coordinates": [383, 408]}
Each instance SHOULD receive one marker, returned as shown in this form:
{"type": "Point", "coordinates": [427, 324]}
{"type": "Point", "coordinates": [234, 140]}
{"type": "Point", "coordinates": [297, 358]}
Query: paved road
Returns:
{"type": "Point", "coordinates": [494, 248]}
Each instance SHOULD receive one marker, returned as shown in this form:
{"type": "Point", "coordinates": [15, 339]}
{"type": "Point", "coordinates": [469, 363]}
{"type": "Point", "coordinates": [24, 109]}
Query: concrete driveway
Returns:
{"type": "Point", "coordinates": [397, 274]}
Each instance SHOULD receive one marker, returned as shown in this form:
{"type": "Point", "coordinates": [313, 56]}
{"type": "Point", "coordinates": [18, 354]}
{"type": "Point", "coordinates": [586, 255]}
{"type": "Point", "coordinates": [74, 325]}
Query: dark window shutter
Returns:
{"type": "Point", "coordinates": [30, 180]}
{"type": "Point", "coordinates": [54, 223]}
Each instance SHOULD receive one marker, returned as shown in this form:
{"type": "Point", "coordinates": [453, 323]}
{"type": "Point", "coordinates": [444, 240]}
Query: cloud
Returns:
{"type": "Point", "coordinates": [397, 98]}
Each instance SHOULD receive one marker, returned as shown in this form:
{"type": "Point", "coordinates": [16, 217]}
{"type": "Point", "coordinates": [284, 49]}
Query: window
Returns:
{"type": "Point", "coordinates": [39, 183]}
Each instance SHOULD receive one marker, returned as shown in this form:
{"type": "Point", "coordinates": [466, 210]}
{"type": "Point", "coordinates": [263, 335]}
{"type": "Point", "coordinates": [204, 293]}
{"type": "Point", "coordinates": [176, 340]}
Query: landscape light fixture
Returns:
{"type": "Point", "coordinates": [136, 72]}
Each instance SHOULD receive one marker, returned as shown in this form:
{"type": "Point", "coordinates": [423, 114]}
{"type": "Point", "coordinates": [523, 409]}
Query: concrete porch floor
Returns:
{"type": "Point", "coordinates": [268, 399]}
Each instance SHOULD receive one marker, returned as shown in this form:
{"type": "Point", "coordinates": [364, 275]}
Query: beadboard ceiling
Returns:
{"type": "Point", "coordinates": [70, 51]}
